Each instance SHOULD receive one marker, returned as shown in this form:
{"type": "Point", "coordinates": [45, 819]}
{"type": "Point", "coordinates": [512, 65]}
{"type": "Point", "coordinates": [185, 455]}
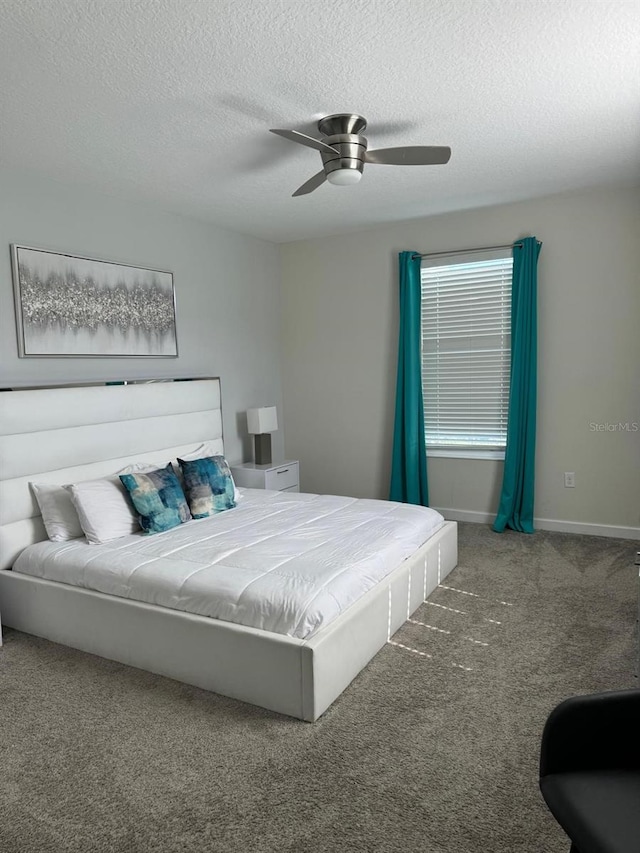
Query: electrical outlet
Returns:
{"type": "Point", "coordinates": [569, 480]}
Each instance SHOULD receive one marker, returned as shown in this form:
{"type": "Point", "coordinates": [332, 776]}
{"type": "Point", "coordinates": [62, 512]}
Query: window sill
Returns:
{"type": "Point", "coordinates": [467, 453]}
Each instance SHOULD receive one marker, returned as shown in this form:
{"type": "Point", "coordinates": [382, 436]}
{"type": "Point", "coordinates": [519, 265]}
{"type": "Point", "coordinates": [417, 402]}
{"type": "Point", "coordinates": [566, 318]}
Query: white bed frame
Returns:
{"type": "Point", "coordinates": [66, 434]}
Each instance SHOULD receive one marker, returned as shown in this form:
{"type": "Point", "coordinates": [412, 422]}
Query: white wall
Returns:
{"type": "Point", "coordinates": [227, 294]}
{"type": "Point", "coordinates": [340, 321]}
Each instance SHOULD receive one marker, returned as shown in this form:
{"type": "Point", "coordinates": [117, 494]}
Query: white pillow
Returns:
{"type": "Point", "coordinates": [207, 449]}
{"type": "Point", "coordinates": [104, 509]}
{"type": "Point", "coordinates": [58, 512]}
{"type": "Point", "coordinates": [141, 468]}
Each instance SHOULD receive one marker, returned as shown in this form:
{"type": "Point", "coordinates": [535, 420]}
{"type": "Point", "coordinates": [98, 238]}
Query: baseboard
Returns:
{"type": "Point", "coordinates": [466, 515]}
{"type": "Point", "coordinates": [611, 530]}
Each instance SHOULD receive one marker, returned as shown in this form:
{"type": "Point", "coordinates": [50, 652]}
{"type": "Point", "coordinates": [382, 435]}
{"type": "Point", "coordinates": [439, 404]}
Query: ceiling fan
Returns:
{"type": "Point", "coordinates": [344, 151]}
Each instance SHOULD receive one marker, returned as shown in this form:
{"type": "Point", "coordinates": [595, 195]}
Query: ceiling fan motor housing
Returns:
{"type": "Point", "coordinates": [342, 131]}
{"type": "Point", "coordinates": [350, 150]}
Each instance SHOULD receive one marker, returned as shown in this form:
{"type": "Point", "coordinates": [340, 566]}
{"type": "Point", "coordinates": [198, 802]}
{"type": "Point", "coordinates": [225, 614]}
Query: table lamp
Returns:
{"type": "Point", "coordinates": [261, 423]}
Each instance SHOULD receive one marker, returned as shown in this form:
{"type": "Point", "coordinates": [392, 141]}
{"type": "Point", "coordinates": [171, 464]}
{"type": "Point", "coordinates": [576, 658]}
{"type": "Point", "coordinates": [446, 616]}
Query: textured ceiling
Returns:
{"type": "Point", "coordinates": [169, 101]}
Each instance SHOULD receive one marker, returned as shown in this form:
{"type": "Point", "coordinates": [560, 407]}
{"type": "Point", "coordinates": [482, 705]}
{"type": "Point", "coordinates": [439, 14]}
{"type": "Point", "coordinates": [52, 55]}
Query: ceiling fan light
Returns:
{"type": "Point", "coordinates": [344, 177]}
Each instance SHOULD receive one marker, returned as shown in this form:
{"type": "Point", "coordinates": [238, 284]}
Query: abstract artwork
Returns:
{"type": "Point", "coordinates": [67, 305]}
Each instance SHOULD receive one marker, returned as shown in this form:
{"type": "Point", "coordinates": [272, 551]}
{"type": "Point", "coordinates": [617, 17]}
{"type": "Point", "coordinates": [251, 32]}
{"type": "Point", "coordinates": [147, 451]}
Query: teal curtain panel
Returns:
{"type": "Point", "coordinates": [518, 483]}
{"type": "Point", "coordinates": [409, 461]}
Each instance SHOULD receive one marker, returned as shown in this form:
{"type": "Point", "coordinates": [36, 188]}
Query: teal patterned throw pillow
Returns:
{"type": "Point", "coordinates": [158, 499]}
{"type": "Point", "coordinates": [208, 485]}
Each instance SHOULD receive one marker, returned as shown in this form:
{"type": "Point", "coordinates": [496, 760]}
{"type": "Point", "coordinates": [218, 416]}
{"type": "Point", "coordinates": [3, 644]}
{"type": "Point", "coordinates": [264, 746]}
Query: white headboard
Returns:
{"type": "Point", "coordinates": [72, 433]}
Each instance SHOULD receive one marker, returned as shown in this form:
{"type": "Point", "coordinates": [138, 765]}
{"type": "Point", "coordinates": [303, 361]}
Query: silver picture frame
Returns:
{"type": "Point", "coordinates": [74, 306]}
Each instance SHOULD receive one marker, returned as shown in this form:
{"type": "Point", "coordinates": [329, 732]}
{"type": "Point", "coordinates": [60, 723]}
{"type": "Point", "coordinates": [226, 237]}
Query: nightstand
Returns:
{"type": "Point", "coordinates": [282, 478]}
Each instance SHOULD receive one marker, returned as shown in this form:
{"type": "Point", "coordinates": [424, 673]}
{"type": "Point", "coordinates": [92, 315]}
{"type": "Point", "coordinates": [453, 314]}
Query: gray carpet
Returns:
{"type": "Point", "coordinates": [434, 747]}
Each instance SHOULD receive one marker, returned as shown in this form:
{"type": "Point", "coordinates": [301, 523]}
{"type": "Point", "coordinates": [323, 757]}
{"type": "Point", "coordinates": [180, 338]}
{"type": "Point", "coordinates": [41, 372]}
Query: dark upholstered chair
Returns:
{"type": "Point", "coordinates": [590, 771]}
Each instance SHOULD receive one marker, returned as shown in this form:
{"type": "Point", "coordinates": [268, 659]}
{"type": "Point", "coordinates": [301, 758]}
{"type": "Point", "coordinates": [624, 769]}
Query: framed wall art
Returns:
{"type": "Point", "coordinates": [69, 305]}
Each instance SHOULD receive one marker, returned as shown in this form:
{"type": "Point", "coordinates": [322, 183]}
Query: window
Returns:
{"type": "Point", "coordinates": [466, 348]}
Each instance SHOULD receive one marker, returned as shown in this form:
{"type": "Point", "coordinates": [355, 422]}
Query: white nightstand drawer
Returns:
{"type": "Point", "coordinates": [282, 478]}
{"type": "Point", "coordinates": [285, 476]}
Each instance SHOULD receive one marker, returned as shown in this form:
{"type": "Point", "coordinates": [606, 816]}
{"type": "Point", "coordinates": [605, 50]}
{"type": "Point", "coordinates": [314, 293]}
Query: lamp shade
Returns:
{"type": "Point", "coordinates": [264, 420]}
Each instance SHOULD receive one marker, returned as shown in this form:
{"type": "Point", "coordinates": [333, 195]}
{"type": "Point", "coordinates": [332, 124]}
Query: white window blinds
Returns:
{"type": "Point", "coordinates": [466, 343]}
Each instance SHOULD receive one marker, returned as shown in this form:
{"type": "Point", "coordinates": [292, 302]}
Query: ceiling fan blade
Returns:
{"type": "Point", "coordinates": [409, 155]}
{"type": "Point", "coordinates": [309, 141]}
{"type": "Point", "coordinates": [311, 185]}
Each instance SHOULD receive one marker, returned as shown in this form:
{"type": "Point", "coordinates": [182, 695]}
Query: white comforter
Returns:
{"type": "Point", "coordinates": [280, 561]}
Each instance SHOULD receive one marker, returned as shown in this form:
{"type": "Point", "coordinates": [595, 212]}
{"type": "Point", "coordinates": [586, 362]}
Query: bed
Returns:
{"type": "Point", "coordinates": [138, 600]}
